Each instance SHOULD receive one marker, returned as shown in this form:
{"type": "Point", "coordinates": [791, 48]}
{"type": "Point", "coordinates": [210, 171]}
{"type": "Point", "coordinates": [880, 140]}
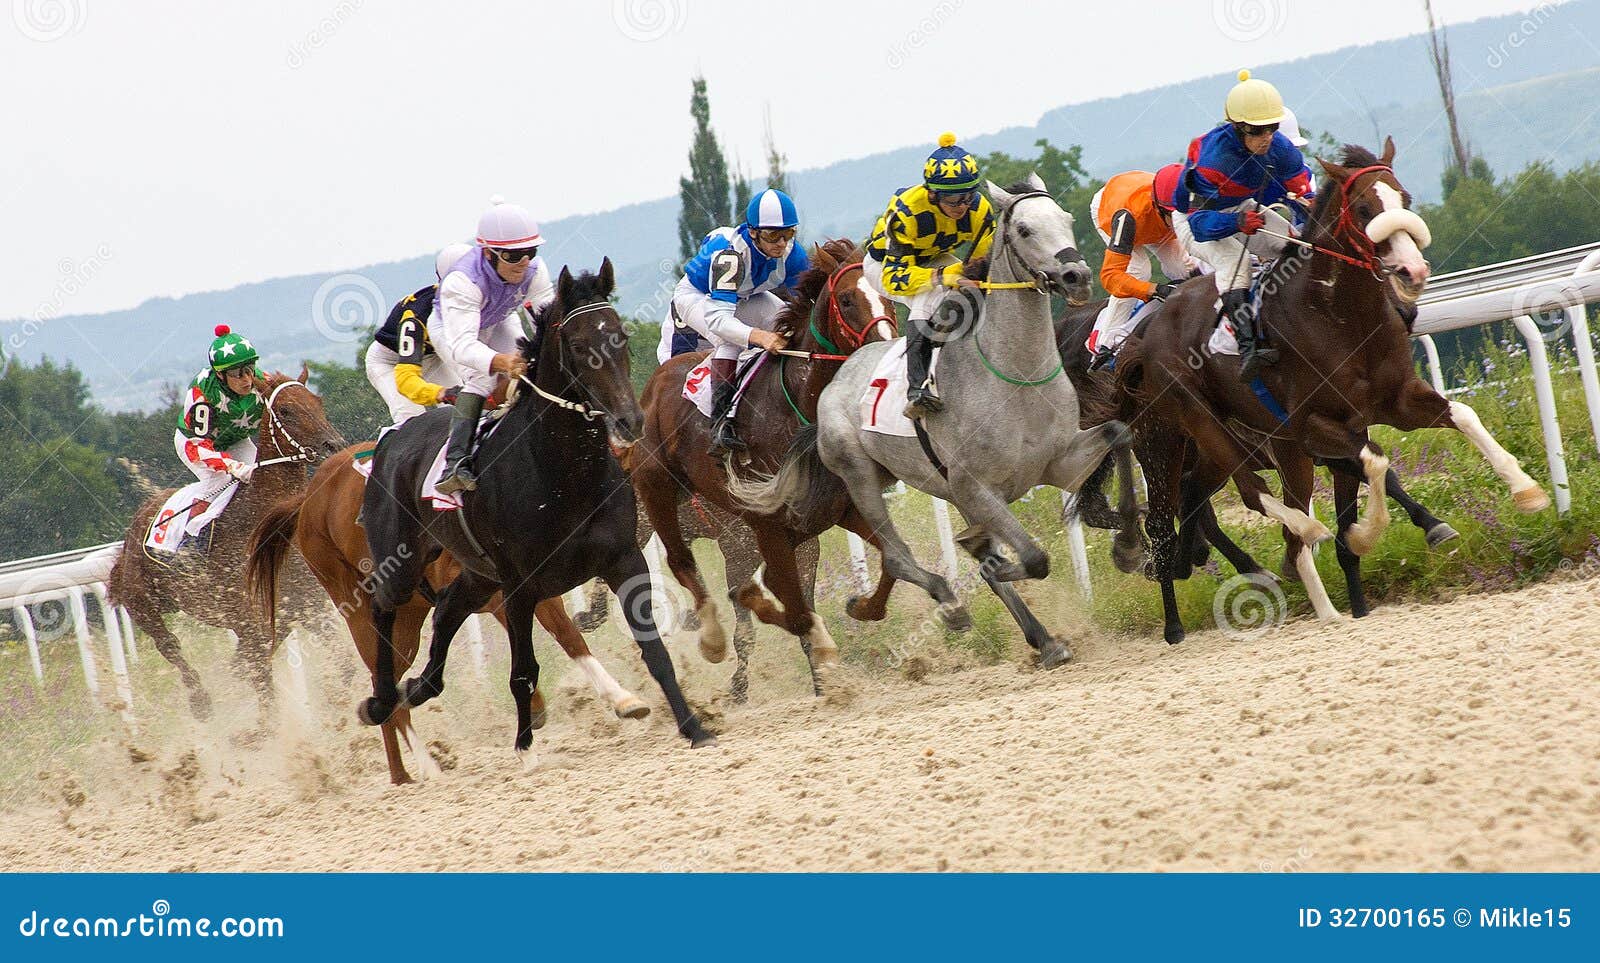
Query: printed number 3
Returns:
{"type": "Point", "coordinates": [200, 417]}
{"type": "Point", "coordinates": [727, 268]}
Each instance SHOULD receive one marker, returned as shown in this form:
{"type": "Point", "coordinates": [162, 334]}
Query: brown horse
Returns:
{"type": "Point", "coordinates": [1339, 310]}
{"type": "Point", "coordinates": [834, 310]}
{"type": "Point", "coordinates": [208, 584]}
{"type": "Point", "coordinates": [321, 524]}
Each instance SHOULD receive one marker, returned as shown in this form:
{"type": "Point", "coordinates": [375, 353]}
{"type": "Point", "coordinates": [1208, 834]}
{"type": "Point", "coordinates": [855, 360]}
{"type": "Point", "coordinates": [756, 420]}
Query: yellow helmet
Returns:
{"type": "Point", "coordinates": [1254, 102]}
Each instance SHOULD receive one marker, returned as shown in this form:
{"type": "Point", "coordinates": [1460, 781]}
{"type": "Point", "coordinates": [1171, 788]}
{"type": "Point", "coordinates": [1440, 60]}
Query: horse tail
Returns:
{"type": "Point", "coordinates": [803, 485]}
{"type": "Point", "coordinates": [269, 544]}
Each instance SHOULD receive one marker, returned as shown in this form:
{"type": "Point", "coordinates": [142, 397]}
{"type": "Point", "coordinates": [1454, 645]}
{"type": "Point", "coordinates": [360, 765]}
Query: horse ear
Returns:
{"type": "Point", "coordinates": [305, 372]}
{"type": "Point", "coordinates": [1334, 171]}
{"type": "Point", "coordinates": [1036, 182]}
{"type": "Point", "coordinates": [564, 285]}
{"type": "Point", "coordinates": [608, 277]}
{"type": "Point", "coordinates": [998, 195]}
{"type": "Point", "coordinates": [821, 259]}
{"type": "Point", "coordinates": [1387, 160]}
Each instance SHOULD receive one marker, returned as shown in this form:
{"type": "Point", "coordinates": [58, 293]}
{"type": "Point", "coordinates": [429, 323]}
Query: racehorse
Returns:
{"type": "Point", "coordinates": [834, 312]}
{"type": "Point", "coordinates": [552, 509]}
{"type": "Point", "coordinates": [1340, 310]}
{"type": "Point", "coordinates": [698, 518]}
{"type": "Point", "coordinates": [1009, 422]}
{"type": "Point", "coordinates": [1072, 330]}
{"type": "Point", "coordinates": [208, 584]}
{"type": "Point", "coordinates": [321, 524]}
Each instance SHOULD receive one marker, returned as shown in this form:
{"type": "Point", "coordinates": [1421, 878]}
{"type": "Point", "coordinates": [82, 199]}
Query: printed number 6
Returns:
{"type": "Point", "coordinates": [406, 338]}
{"type": "Point", "coordinates": [200, 417]}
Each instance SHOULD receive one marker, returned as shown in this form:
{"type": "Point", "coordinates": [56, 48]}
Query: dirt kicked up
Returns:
{"type": "Point", "coordinates": [1443, 737]}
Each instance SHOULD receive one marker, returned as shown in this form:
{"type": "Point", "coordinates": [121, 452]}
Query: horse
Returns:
{"type": "Point", "coordinates": [207, 584]}
{"type": "Point", "coordinates": [552, 510]}
{"type": "Point", "coordinates": [321, 524]}
{"type": "Point", "coordinates": [741, 558]}
{"type": "Point", "coordinates": [834, 310]}
{"type": "Point", "coordinates": [1091, 506]}
{"type": "Point", "coordinates": [1009, 422]}
{"type": "Point", "coordinates": [1340, 310]}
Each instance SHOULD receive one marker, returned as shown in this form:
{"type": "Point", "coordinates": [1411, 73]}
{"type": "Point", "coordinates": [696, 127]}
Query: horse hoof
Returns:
{"type": "Point", "coordinates": [1129, 560]}
{"type": "Point", "coordinates": [1054, 653]}
{"type": "Point", "coordinates": [200, 705]}
{"type": "Point", "coordinates": [371, 712]}
{"type": "Point", "coordinates": [1173, 635]}
{"type": "Point", "coordinates": [415, 693]}
{"type": "Point", "coordinates": [955, 617]}
{"type": "Point", "coordinates": [859, 609]}
{"type": "Point", "coordinates": [1531, 500]}
{"type": "Point", "coordinates": [632, 708]}
{"type": "Point", "coordinates": [707, 741]}
{"type": "Point", "coordinates": [539, 719]}
{"type": "Point", "coordinates": [1441, 533]}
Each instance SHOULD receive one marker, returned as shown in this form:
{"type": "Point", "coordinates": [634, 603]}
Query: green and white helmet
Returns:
{"type": "Point", "coordinates": [231, 350]}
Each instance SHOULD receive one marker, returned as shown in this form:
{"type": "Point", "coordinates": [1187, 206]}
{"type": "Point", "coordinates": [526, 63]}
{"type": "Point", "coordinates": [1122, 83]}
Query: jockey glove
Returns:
{"type": "Point", "coordinates": [240, 470]}
{"type": "Point", "coordinates": [1251, 222]}
{"type": "Point", "coordinates": [447, 396]}
{"type": "Point", "coordinates": [1163, 291]}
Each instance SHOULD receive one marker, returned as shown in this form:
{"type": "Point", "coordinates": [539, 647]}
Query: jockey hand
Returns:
{"type": "Point", "coordinates": [447, 396]}
{"type": "Point", "coordinates": [1163, 291]}
{"type": "Point", "coordinates": [1251, 222]}
{"type": "Point", "coordinates": [240, 470]}
{"type": "Point", "coordinates": [768, 340]}
{"type": "Point", "coordinates": [508, 364]}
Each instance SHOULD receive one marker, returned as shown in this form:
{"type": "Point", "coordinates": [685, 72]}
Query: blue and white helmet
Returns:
{"type": "Point", "coordinates": [771, 209]}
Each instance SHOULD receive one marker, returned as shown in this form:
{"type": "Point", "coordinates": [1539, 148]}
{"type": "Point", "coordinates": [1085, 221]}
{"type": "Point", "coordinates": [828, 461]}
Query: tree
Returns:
{"type": "Point", "coordinates": [777, 179]}
{"type": "Point", "coordinates": [1439, 55]}
{"type": "Point", "coordinates": [1063, 173]}
{"type": "Point", "coordinates": [703, 195]}
{"type": "Point", "coordinates": [741, 192]}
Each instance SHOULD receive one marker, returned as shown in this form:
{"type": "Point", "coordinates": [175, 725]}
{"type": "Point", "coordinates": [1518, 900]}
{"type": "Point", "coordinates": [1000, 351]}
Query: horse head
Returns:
{"type": "Point", "coordinates": [844, 310]}
{"type": "Point", "coordinates": [1374, 216]}
{"type": "Point", "coordinates": [589, 347]}
{"type": "Point", "coordinates": [1034, 237]}
{"type": "Point", "coordinates": [296, 423]}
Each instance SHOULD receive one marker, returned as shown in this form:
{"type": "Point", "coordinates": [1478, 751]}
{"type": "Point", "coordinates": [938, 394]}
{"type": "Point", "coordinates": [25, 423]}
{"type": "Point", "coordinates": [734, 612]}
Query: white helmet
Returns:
{"type": "Point", "coordinates": [449, 256]}
{"type": "Point", "coordinates": [1290, 128]}
{"type": "Point", "coordinates": [508, 226]}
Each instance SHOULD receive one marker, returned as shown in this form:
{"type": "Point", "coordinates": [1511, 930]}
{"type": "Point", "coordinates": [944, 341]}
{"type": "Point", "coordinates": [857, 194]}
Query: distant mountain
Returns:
{"type": "Point", "coordinates": [1517, 102]}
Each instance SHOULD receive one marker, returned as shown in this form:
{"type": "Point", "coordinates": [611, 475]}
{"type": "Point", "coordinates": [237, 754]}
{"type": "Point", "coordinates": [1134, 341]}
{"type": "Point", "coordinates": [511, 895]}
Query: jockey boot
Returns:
{"type": "Point", "coordinates": [920, 399]}
{"type": "Point", "coordinates": [1102, 357]}
{"type": "Point", "coordinates": [1253, 350]}
{"type": "Point", "coordinates": [458, 474]}
{"type": "Point", "coordinates": [724, 438]}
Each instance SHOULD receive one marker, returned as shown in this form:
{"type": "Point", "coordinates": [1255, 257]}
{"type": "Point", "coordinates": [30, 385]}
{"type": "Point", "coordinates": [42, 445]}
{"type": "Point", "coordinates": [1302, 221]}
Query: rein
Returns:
{"type": "Point", "coordinates": [853, 337]}
{"type": "Point", "coordinates": [588, 413]}
{"type": "Point", "coordinates": [302, 453]}
{"type": "Point", "coordinates": [1005, 252]}
{"type": "Point", "coordinates": [1345, 229]}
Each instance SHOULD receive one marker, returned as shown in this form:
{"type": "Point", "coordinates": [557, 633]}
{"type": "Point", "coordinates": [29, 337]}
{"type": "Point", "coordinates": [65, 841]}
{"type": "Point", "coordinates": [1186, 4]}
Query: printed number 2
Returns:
{"type": "Point", "coordinates": [726, 268]}
{"type": "Point", "coordinates": [406, 338]}
{"type": "Point", "coordinates": [200, 418]}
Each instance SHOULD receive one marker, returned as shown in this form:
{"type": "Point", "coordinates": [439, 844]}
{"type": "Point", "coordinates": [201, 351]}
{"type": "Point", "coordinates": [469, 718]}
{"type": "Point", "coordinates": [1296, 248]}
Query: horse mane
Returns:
{"type": "Point", "coordinates": [586, 287]}
{"type": "Point", "coordinates": [809, 286]}
{"type": "Point", "coordinates": [1350, 156]}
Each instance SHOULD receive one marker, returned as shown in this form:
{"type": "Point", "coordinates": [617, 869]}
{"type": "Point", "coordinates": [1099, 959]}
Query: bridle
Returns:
{"type": "Point", "coordinates": [588, 413]}
{"type": "Point", "coordinates": [275, 428]}
{"type": "Point", "coordinates": [1041, 282]}
{"type": "Point", "coordinates": [1347, 231]}
{"type": "Point", "coordinates": [851, 336]}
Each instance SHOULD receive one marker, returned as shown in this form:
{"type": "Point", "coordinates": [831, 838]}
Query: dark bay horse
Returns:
{"type": "Point", "coordinates": [551, 511]}
{"type": "Point", "coordinates": [834, 312]}
{"type": "Point", "coordinates": [1339, 312]}
{"type": "Point", "coordinates": [321, 524]}
{"type": "Point", "coordinates": [208, 584]}
{"type": "Point", "coordinates": [1072, 330]}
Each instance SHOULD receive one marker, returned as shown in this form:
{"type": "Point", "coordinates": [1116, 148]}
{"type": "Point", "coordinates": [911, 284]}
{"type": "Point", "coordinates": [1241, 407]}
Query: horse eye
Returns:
{"type": "Point", "coordinates": [1024, 231]}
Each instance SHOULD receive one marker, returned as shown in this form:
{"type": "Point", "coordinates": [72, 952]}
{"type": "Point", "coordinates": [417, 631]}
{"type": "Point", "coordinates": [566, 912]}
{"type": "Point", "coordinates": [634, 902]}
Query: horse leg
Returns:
{"type": "Point", "coordinates": [146, 614]}
{"type": "Point", "coordinates": [1217, 445]}
{"type": "Point", "coordinates": [552, 615]}
{"type": "Point", "coordinates": [1364, 534]}
{"type": "Point", "coordinates": [874, 607]}
{"type": "Point", "coordinates": [1052, 650]}
{"type": "Point", "coordinates": [1127, 548]}
{"type": "Point", "coordinates": [1421, 407]}
{"type": "Point", "coordinates": [661, 503]}
{"type": "Point", "coordinates": [1436, 531]}
{"type": "Point", "coordinates": [1298, 472]}
{"type": "Point", "coordinates": [789, 609]}
{"type": "Point", "coordinates": [1344, 504]}
{"type": "Point", "coordinates": [524, 679]}
{"type": "Point", "coordinates": [460, 599]}
{"type": "Point", "coordinates": [1242, 562]}
{"type": "Point", "coordinates": [1092, 507]}
{"type": "Point", "coordinates": [739, 566]}
{"type": "Point", "coordinates": [629, 577]}
{"type": "Point", "coordinates": [1163, 471]}
{"type": "Point", "coordinates": [398, 731]}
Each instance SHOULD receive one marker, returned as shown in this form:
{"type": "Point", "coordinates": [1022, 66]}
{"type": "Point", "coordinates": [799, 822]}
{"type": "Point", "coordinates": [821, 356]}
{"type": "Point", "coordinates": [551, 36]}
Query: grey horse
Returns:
{"type": "Point", "coordinates": [1010, 422]}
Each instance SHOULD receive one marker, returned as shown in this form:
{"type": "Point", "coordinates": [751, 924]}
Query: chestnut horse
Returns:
{"type": "Point", "coordinates": [834, 311]}
{"type": "Point", "coordinates": [321, 524]}
{"type": "Point", "coordinates": [1340, 312]}
{"type": "Point", "coordinates": [208, 584]}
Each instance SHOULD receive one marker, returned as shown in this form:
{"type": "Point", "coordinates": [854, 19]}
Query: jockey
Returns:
{"type": "Point", "coordinates": [401, 362]}
{"type": "Point", "coordinates": [474, 324]}
{"type": "Point", "coordinates": [726, 295]}
{"type": "Point", "coordinates": [221, 412]}
{"type": "Point", "coordinates": [909, 256]}
{"type": "Point", "coordinates": [1137, 232]}
{"type": "Point", "coordinates": [1231, 171]}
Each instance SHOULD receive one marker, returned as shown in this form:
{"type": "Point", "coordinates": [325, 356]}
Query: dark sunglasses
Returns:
{"type": "Point", "coordinates": [776, 235]}
{"type": "Point", "coordinates": [248, 370]}
{"type": "Point", "coordinates": [956, 197]}
{"type": "Point", "coordinates": [1251, 130]}
{"type": "Point", "coordinates": [517, 256]}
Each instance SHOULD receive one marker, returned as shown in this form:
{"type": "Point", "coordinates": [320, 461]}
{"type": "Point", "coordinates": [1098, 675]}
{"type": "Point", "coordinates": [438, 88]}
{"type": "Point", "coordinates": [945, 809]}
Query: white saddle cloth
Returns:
{"type": "Point", "coordinates": [697, 386]}
{"type": "Point", "coordinates": [883, 403]}
{"type": "Point", "coordinates": [187, 513]}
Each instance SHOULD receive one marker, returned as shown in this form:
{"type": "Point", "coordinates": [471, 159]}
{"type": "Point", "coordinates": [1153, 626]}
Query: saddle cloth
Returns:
{"type": "Point", "coordinates": [883, 403]}
{"type": "Point", "coordinates": [697, 386]}
{"type": "Point", "coordinates": [173, 525]}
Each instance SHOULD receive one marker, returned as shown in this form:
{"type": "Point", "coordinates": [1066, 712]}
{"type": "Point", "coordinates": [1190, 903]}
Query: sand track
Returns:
{"type": "Point", "coordinates": [1447, 737]}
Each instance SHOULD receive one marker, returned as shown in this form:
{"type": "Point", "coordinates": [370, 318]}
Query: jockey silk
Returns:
{"type": "Point", "coordinates": [913, 234]}
{"type": "Point", "coordinates": [1219, 174]}
{"type": "Point", "coordinates": [215, 418]}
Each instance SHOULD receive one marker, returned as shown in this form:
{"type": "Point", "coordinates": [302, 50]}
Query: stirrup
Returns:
{"type": "Point", "coordinates": [1102, 357]}
{"type": "Point", "coordinates": [922, 401]}
{"type": "Point", "coordinates": [725, 440]}
{"type": "Point", "coordinates": [456, 481]}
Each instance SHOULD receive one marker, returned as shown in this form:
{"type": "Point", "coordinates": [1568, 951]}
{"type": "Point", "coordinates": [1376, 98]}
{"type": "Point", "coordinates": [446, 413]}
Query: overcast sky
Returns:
{"type": "Point", "coordinates": [164, 148]}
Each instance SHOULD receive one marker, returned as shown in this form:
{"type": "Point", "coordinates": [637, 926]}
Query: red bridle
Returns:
{"type": "Point", "coordinates": [1346, 229]}
{"type": "Point", "coordinates": [853, 337]}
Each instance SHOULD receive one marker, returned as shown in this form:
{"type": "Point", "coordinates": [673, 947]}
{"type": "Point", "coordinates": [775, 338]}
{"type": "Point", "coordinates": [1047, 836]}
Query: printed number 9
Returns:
{"type": "Point", "coordinates": [200, 417]}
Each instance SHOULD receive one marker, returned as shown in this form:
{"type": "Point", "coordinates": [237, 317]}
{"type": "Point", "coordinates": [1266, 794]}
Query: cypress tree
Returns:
{"type": "Point", "coordinates": [703, 195]}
